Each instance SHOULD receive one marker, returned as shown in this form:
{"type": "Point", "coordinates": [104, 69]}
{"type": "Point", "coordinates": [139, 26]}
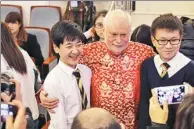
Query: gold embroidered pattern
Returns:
{"type": "Point", "coordinates": [116, 79]}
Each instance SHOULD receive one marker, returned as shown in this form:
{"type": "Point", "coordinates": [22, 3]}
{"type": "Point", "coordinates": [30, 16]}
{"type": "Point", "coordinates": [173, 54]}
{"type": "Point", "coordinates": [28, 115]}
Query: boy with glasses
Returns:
{"type": "Point", "coordinates": [168, 68]}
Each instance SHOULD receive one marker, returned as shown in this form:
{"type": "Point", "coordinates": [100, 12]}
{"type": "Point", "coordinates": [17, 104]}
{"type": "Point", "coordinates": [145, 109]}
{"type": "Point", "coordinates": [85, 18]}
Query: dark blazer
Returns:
{"type": "Point", "coordinates": [33, 49]}
{"type": "Point", "coordinates": [157, 126]}
{"type": "Point", "coordinates": [150, 79]}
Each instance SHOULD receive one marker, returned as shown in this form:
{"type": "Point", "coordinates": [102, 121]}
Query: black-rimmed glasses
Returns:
{"type": "Point", "coordinates": [171, 41]}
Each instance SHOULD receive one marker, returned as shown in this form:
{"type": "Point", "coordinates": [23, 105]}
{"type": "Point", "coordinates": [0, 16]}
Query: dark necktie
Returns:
{"type": "Point", "coordinates": [81, 89]}
{"type": "Point", "coordinates": [164, 73]}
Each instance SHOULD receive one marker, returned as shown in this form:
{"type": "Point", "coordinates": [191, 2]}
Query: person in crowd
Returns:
{"type": "Point", "coordinates": [20, 66]}
{"type": "Point", "coordinates": [115, 65]}
{"type": "Point", "coordinates": [69, 81]}
{"type": "Point", "coordinates": [142, 34]}
{"type": "Point", "coordinates": [184, 114]}
{"type": "Point", "coordinates": [96, 118]}
{"type": "Point", "coordinates": [96, 33]}
{"type": "Point", "coordinates": [7, 98]}
{"type": "Point", "coordinates": [187, 45]}
{"type": "Point", "coordinates": [167, 68]}
{"type": "Point", "coordinates": [20, 120]}
{"type": "Point", "coordinates": [25, 40]}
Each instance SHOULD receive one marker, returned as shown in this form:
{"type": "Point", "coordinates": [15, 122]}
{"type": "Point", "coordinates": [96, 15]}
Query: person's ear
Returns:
{"type": "Point", "coordinates": [56, 49]}
{"type": "Point", "coordinates": [153, 41]}
{"type": "Point", "coordinates": [122, 125]}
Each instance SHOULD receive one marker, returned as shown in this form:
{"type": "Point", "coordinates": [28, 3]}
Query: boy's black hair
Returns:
{"type": "Point", "coordinates": [66, 30]}
{"type": "Point", "coordinates": [167, 21]}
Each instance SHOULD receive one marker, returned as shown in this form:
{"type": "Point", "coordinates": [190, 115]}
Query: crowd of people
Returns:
{"type": "Point", "coordinates": [106, 84]}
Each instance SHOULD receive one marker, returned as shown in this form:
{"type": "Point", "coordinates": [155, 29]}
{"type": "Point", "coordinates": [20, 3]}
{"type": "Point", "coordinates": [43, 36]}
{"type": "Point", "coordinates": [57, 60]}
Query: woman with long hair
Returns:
{"type": "Point", "coordinates": [25, 40]}
{"type": "Point", "coordinates": [20, 66]}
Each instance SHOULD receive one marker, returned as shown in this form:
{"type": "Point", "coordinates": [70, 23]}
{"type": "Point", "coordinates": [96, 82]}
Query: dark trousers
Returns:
{"type": "Point", "coordinates": [36, 124]}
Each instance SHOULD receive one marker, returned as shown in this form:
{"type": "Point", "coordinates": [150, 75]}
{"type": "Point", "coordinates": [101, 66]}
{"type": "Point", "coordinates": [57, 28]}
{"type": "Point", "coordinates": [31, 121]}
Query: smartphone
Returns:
{"type": "Point", "coordinates": [7, 109]}
{"type": "Point", "coordinates": [74, 4]}
{"type": "Point", "coordinates": [171, 94]}
{"type": "Point", "coordinates": [7, 86]}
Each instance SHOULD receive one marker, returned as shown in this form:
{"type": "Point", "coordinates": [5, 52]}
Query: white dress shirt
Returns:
{"type": "Point", "coordinates": [62, 84]}
{"type": "Point", "coordinates": [176, 63]}
{"type": "Point", "coordinates": [27, 82]}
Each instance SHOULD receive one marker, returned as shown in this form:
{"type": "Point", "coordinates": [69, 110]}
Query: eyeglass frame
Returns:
{"type": "Point", "coordinates": [99, 27]}
{"type": "Point", "coordinates": [168, 41]}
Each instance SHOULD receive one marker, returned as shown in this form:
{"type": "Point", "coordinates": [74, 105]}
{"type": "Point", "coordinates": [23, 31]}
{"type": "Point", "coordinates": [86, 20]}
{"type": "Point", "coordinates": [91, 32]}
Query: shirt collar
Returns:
{"type": "Point", "coordinates": [171, 62]}
{"type": "Point", "coordinates": [174, 60]}
{"type": "Point", "coordinates": [67, 69]}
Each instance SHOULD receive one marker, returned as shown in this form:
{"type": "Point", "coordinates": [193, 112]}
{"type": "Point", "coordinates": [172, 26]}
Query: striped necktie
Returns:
{"type": "Point", "coordinates": [81, 89]}
{"type": "Point", "coordinates": [164, 73]}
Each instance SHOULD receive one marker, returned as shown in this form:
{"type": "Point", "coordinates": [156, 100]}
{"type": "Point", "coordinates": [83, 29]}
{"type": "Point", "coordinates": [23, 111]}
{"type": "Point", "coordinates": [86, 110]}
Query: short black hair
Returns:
{"type": "Point", "coordinates": [142, 34]}
{"type": "Point", "coordinates": [167, 21]}
{"type": "Point", "coordinates": [66, 30]}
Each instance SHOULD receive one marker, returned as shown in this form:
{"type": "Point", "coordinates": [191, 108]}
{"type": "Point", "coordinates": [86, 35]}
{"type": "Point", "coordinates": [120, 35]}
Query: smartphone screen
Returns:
{"type": "Point", "coordinates": [171, 94]}
{"type": "Point", "coordinates": [74, 4]}
{"type": "Point", "coordinates": [7, 109]}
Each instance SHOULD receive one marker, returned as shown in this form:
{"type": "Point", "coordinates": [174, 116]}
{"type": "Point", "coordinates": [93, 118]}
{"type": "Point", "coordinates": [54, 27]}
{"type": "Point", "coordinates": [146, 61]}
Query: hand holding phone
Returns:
{"type": "Point", "coordinates": [10, 88]}
{"type": "Point", "coordinates": [19, 115]}
{"type": "Point", "coordinates": [157, 114]}
{"type": "Point", "coordinates": [171, 94]}
{"type": "Point", "coordinates": [17, 89]}
{"type": "Point", "coordinates": [6, 85]}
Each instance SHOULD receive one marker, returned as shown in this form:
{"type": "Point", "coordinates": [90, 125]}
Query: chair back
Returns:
{"type": "Point", "coordinates": [7, 8]}
{"type": "Point", "coordinates": [44, 16]}
{"type": "Point", "coordinates": [43, 38]}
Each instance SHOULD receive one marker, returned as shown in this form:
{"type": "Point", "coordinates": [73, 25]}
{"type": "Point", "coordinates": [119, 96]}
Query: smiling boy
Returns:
{"type": "Point", "coordinates": [68, 81]}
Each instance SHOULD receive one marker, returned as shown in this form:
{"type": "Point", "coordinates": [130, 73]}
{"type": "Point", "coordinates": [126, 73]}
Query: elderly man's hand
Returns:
{"type": "Point", "coordinates": [20, 120]}
{"type": "Point", "coordinates": [48, 103]}
{"type": "Point", "coordinates": [157, 114]}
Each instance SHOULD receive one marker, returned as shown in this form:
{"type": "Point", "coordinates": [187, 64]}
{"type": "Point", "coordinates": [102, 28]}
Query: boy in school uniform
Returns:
{"type": "Point", "coordinates": [168, 68]}
{"type": "Point", "coordinates": [68, 81]}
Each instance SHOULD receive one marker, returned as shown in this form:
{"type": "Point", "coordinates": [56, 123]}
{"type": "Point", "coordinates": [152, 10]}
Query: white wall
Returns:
{"type": "Point", "coordinates": [145, 12]}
